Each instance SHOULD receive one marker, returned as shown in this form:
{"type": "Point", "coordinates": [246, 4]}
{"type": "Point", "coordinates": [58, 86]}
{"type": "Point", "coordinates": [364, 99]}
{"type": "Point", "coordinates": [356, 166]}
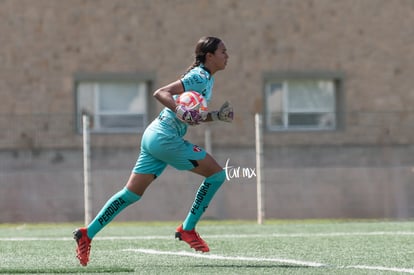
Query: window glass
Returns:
{"type": "Point", "coordinates": [300, 104]}
{"type": "Point", "coordinates": [113, 106]}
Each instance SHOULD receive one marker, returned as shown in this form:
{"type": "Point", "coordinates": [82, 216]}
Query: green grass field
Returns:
{"type": "Point", "coordinates": [236, 247]}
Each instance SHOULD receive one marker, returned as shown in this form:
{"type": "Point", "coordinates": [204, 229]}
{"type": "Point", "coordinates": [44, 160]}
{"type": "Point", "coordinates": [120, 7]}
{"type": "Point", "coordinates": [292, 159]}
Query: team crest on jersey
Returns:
{"type": "Point", "coordinates": [197, 149]}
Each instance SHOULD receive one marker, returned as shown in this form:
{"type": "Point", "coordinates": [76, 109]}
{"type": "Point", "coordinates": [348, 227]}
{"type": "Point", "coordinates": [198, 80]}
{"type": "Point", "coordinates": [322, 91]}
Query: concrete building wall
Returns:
{"type": "Point", "coordinates": [299, 182]}
{"type": "Point", "coordinates": [363, 169]}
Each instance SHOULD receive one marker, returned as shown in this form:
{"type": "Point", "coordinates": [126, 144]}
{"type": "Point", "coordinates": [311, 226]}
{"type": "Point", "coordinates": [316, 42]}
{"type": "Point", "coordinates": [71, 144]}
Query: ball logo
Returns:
{"type": "Point", "coordinates": [196, 149]}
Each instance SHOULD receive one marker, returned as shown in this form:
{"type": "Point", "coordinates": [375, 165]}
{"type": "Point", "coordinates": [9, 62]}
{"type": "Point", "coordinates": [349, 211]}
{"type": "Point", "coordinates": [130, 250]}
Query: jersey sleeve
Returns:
{"type": "Point", "coordinates": [195, 81]}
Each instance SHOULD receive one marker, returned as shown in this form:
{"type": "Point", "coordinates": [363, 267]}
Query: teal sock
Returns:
{"type": "Point", "coordinates": [111, 209]}
{"type": "Point", "coordinates": [202, 199]}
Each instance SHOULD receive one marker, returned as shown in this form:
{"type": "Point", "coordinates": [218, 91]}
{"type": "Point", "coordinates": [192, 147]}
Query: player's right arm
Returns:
{"type": "Point", "coordinates": [165, 94]}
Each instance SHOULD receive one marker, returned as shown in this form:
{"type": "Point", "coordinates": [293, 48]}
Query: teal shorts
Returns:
{"type": "Point", "coordinates": [162, 144]}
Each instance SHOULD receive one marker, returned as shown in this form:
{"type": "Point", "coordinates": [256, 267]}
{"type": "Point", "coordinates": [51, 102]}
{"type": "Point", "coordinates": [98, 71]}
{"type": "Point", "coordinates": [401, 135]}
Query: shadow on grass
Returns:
{"type": "Point", "coordinates": [66, 270]}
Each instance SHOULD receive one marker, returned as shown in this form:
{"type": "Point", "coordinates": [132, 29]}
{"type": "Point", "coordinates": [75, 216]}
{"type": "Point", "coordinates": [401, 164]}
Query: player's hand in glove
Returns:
{"type": "Point", "coordinates": [224, 114]}
{"type": "Point", "coordinates": [192, 117]}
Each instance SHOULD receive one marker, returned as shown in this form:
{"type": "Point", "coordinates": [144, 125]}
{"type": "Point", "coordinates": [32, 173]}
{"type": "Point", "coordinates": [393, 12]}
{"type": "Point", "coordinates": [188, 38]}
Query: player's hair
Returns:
{"type": "Point", "coordinates": [206, 44]}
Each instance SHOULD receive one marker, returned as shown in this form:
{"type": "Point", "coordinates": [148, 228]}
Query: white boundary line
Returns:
{"type": "Point", "coordinates": [220, 257]}
{"type": "Point", "coordinates": [234, 236]}
{"type": "Point", "coordinates": [277, 260]}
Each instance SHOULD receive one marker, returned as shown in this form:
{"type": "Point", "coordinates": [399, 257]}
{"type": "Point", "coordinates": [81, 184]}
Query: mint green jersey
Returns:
{"type": "Point", "coordinates": [162, 142]}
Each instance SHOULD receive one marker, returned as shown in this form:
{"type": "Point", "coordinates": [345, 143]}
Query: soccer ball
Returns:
{"type": "Point", "coordinates": [193, 101]}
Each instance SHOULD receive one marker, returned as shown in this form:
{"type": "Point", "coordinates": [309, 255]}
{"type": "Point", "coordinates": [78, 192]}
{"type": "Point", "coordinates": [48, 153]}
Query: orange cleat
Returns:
{"type": "Point", "coordinates": [84, 245]}
{"type": "Point", "coordinates": [192, 238]}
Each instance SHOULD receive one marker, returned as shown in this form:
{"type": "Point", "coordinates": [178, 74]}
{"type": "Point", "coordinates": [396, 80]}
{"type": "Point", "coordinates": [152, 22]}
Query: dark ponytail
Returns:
{"type": "Point", "coordinates": [207, 44]}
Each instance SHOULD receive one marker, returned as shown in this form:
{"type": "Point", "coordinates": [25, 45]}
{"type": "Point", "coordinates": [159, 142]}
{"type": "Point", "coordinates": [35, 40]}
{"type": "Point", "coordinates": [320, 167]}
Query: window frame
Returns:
{"type": "Point", "coordinates": [282, 77]}
{"type": "Point", "coordinates": [147, 79]}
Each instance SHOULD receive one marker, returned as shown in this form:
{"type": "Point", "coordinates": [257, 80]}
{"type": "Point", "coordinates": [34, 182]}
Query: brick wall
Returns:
{"type": "Point", "coordinates": [45, 43]}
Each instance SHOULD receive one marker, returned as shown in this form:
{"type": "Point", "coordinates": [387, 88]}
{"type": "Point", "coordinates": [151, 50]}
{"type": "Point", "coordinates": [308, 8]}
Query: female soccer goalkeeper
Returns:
{"type": "Point", "coordinates": [162, 144]}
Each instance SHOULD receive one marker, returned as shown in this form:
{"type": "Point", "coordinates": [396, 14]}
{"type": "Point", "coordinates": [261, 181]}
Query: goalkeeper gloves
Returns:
{"type": "Point", "coordinates": [191, 117]}
{"type": "Point", "coordinates": [224, 114]}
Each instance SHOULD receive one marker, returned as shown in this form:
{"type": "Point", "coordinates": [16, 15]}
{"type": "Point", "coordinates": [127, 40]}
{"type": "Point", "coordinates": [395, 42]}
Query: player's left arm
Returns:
{"type": "Point", "coordinates": [225, 113]}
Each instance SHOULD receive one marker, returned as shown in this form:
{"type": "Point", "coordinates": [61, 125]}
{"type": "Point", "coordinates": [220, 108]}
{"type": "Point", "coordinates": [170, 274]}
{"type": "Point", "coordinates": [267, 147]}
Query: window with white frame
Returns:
{"type": "Point", "coordinates": [114, 106]}
{"type": "Point", "coordinates": [301, 104]}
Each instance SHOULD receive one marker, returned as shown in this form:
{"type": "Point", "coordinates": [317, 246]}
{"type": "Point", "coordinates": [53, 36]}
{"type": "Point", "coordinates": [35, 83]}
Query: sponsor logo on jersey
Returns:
{"type": "Point", "coordinates": [197, 79]}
